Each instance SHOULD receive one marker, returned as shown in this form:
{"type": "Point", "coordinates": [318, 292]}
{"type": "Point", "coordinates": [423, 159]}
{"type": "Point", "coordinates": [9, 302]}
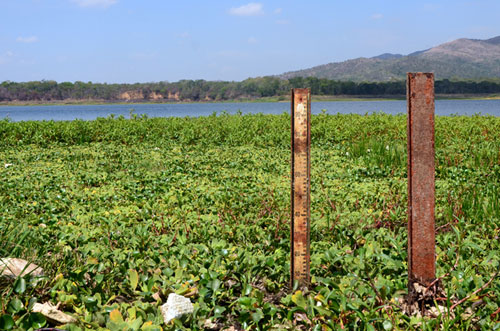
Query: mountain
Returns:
{"type": "Point", "coordinates": [387, 56]}
{"type": "Point", "coordinates": [494, 41]}
{"type": "Point", "coordinates": [458, 59]}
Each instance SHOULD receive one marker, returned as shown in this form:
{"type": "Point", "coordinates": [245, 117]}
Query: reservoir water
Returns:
{"type": "Point", "coordinates": [91, 112]}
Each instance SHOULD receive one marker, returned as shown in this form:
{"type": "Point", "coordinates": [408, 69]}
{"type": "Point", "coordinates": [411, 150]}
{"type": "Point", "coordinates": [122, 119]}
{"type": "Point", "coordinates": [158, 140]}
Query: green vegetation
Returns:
{"type": "Point", "coordinates": [199, 90]}
{"type": "Point", "coordinates": [120, 213]}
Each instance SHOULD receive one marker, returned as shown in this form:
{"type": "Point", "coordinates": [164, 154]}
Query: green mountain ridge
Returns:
{"type": "Point", "coordinates": [459, 59]}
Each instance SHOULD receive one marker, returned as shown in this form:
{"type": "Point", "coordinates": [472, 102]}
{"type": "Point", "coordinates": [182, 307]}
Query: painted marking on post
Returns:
{"type": "Point", "coordinates": [421, 189]}
{"type": "Point", "coordinates": [301, 190]}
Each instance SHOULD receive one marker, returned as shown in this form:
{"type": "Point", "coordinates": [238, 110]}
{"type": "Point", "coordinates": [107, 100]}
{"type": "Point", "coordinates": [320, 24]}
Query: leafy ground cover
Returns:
{"type": "Point", "coordinates": [120, 213]}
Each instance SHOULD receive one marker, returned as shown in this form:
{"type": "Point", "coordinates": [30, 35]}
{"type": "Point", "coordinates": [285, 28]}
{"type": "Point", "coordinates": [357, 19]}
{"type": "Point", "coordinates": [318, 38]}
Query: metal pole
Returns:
{"type": "Point", "coordinates": [300, 185]}
{"type": "Point", "coordinates": [421, 189]}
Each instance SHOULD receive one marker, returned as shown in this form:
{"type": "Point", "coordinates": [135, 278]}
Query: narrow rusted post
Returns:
{"type": "Point", "coordinates": [421, 190]}
{"type": "Point", "coordinates": [300, 182]}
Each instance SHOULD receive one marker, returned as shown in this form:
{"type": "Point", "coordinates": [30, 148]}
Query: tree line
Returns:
{"type": "Point", "coordinates": [201, 90]}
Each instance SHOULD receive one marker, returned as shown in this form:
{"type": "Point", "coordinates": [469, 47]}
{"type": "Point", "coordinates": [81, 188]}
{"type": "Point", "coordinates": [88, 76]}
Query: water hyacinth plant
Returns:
{"type": "Point", "coordinates": [122, 212]}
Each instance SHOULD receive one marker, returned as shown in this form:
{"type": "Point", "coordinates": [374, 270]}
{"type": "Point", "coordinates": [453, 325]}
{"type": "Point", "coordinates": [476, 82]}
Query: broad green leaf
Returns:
{"type": "Point", "coordinates": [215, 284]}
{"type": "Point", "coordinates": [299, 299]}
{"type": "Point", "coordinates": [133, 278]}
{"type": "Point", "coordinates": [258, 315]}
{"type": "Point", "coordinates": [15, 305]}
{"type": "Point", "coordinates": [37, 320]}
{"type": "Point", "coordinates": [149, 326]}
{"type": "Point", "coordinates": [20, 285]}
{"type": "Point", "coordinates": [135, 324]}
{"type": "Point", "coordinates": [387, 325]}
{"type": "Point", "coordinates": [131, 312]}
{"type": "Point", "coordinates": [246, 301]}
{"type": "Point", "coordinates": [218, 310]}
{"type": "Point", "coordinates": [6, 322]}
{"type": "Point", "coordinates": [116, 317]}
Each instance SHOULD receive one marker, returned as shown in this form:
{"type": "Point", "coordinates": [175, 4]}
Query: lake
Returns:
{"type": "Point", "coordinates": [91, 112]}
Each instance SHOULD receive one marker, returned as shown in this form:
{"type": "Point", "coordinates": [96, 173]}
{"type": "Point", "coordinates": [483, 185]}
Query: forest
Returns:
{"type": "Point", "coordinates": [201, 90]}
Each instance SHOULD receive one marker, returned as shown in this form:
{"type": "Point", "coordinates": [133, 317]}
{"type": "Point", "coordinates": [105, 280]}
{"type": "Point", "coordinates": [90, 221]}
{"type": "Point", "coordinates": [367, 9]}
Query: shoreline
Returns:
{"type": "Point", "coordinates": [315, 98]}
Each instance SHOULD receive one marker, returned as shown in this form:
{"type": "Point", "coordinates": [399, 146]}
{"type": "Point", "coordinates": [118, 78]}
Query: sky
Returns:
{"type": "Point", "coordinates": [128, 41]}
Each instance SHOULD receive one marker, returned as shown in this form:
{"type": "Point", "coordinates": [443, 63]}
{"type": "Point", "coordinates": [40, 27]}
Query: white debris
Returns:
{"type": "Point", "coordinates": [8, 165]}
{"type": "Point", "coordinates": [53, 313]}
{"type": "Point", "coordinates": [176, 306]}
{"type": "Point", "coordinates": [209, 325]}
{"type": "Point", "coordinates": [12, 268]}
{"type": "Point", "coordinates": [436, 311]}
{"type": "Point", "coordinates": [419, 288]}
{"type": "Point", "coordinates": [156, 296]}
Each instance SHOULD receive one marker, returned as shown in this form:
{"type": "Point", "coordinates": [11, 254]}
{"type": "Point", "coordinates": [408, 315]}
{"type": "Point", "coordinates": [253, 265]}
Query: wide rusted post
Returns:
{"type": "Point", "coordinates": [421, 189]}
{"type": "Point", "coordinates": [300, 181]}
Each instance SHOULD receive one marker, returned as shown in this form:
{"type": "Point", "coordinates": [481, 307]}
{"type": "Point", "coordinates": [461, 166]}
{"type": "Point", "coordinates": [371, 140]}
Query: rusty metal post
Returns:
{"type": "Point", "coordinates": [421, 189]}
{"type": "Point", "coordinates": [300, 182]}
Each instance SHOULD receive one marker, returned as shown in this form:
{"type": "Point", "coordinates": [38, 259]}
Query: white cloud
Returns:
{"type": "Point", "coordinates": [185, 35]}
{"type": "Point", "coordinates": [250, 9]}
{"type": "Point", "coordinates": [95, 3]}
{"type": "Point", "coordinates": [377, 16]}
{"type": "Point", "coordinates": [278, 10]}
{"type": "Point", "coordinates": [252, 40]}
{"type": "Point", "coordinates": [282, 22]}
{"type": "Point", "coordinates": [27, 40]}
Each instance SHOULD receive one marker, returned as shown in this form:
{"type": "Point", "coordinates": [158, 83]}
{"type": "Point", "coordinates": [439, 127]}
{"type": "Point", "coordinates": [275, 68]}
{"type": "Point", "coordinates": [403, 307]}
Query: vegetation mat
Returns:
{"type": "Point", "coordinates": [121, 212]}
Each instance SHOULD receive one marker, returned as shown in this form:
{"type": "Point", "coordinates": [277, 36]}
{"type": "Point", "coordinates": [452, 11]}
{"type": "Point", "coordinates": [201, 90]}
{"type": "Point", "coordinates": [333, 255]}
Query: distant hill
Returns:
{"type": "Point", "coordinates": [494, 41]}
{"type": "Point", "coordinates": [387, 56]}
{"type": "Point", "coordinates": [458, 59]}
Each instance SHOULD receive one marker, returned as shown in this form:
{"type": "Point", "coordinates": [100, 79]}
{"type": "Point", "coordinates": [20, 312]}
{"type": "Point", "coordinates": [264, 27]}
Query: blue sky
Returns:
{"type": "Point", "coordinates": [162, 40]}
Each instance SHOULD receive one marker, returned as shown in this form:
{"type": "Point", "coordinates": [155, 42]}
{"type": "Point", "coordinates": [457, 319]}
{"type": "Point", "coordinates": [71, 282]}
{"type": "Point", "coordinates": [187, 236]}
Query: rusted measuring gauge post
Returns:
{"type": "Point", "coordinates": [421, 189]}
{"type": "Point", "coordinates": [301, 183]}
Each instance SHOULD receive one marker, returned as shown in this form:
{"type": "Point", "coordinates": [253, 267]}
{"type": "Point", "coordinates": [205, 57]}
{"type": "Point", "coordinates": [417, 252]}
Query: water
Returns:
{"type": "Point", "coordinates": [90, 112]}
